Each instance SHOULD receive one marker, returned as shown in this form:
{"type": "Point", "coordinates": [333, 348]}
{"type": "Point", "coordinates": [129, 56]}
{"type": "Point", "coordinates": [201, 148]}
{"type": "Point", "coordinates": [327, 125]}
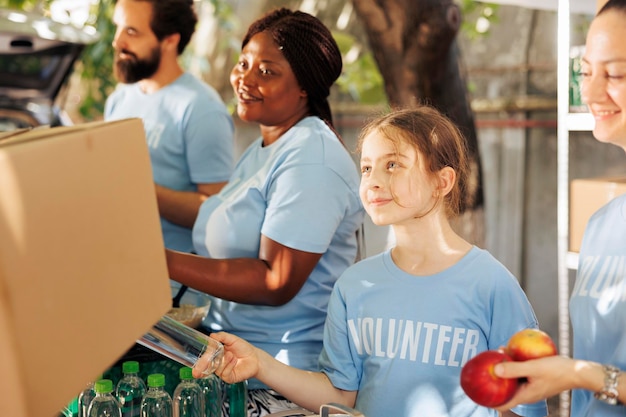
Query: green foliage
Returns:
{"type": "Point", "coordinates": [223, 13]}
{"type": "Point", "coordinates": [477, 17]}
{"type": "Point", "coordinates": [26, 5]}
{"type": "Point", "coordinates": [360, 78]}
{"type": "Point", "coordinates": [228, 23]}
{"type": "Point", "coordinates": [96, 67]}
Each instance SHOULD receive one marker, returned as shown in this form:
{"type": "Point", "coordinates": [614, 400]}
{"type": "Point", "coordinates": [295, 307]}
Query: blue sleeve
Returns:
{"type": "Point", "coordinates": [513, 312]}
{"type": "Point", "coordinates": [306, 204]}
{"type": "Point", "coordinates": [336, 360]}
{"type": "Point", "coordinates": [109, 104]}
{"type": "Point", "coordinates": [209, 144]}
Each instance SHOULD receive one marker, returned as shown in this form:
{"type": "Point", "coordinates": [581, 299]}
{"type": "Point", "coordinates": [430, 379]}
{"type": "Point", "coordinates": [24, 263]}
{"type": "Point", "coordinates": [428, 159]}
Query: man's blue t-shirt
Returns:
{"type": "Point", "coordinates": [190, 138]}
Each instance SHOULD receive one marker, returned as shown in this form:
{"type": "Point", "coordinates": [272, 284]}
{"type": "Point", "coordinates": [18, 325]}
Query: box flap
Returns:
{"type": "Point", "coordinates": [45, 132]}
{"type": "Point", "coordinates": [10, 134]}
{"type": "Point", "coordinates": [81, 254]}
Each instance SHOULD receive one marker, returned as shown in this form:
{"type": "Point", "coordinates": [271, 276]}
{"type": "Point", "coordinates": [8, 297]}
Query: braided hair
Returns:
{"type": "Point", "coordinates": [311, 51]}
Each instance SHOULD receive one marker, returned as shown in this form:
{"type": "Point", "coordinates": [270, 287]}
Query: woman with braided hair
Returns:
{"type": "Point", "coordinates": [273, 242]}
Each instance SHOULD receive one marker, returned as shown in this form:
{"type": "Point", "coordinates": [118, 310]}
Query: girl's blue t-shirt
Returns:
{"type": "Point", "coordinates": [401, 340]}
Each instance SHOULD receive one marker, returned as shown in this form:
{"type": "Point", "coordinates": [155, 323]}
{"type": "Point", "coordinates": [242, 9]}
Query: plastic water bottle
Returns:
{"type": "Point", "coordinates": [185, 345]}
{"type": "Point", "coordinates": [85, 397]}
{"type": "Point", "coordinates": [104, 403]}
{"type": "Point", "coordinates": [212, 389]}
{"type": "Point", "coordinates": [130, 390]}
{"type": "Point", "coordinates": [238, 399]}
{"type": "Point", "coordinates": [188, 396]}
{"type": "Point", "coordinates": [157, 402]}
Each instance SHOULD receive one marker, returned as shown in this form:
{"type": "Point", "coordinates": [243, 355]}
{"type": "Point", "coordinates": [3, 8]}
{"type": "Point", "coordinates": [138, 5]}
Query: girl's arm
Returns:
{"type": "Point", "coordinates": [305, 388]}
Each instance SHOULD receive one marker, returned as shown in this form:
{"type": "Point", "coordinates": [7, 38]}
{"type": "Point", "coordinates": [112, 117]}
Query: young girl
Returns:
{"type": "Point", "coordinates": [402, 324]}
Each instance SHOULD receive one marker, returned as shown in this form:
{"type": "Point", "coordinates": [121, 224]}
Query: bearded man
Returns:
{"type": "Point", "coordinates": [188, 128]}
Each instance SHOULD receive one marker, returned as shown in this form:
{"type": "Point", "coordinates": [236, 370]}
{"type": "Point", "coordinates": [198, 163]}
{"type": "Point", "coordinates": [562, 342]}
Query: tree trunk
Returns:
{"type": "Point", "coordinates": [414, 44]}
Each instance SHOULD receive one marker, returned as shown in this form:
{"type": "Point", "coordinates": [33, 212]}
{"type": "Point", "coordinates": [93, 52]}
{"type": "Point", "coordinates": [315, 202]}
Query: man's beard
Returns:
{"type": "Point", "coordinates": [132, 69]}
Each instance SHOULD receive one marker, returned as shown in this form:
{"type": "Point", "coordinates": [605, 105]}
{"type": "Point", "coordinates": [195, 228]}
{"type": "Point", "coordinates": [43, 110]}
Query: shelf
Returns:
{"type": "Point", "coordinates": [567, 122]}
{"type": "Point", "coordinates": [571, 260]}
{"type": "Point", "coordinates": [582, 122]}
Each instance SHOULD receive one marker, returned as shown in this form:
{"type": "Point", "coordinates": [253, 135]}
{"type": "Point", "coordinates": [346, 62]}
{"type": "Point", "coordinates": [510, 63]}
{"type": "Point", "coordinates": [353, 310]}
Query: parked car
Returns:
{"type": "Point", "coordinates": [37, 57]}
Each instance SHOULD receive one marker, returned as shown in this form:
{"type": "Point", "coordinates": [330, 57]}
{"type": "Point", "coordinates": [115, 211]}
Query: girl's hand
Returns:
{"type": "Point", "coordinates": [545, 377]}
{"type": "Point", "coordinates": [240, 358]}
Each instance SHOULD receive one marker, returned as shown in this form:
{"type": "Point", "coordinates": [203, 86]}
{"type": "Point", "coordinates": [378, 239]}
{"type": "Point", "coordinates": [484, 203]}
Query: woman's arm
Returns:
{"type": "Point", "coordinates": [305, 388]}
{"type": "Point", "coordinates": [181, 207]}
{"type": "Point", "coordinates": [272, 279]}
{"type": "Point", "coordinates": [551, 375]}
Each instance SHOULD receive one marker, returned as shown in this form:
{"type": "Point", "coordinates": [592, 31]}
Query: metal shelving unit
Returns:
{"type": "Point", "coordinates": [567, 122]}
{"type": "Point", "coordinates": [563, 45]}
{"type": "Point", "coordinates": [581, 122]}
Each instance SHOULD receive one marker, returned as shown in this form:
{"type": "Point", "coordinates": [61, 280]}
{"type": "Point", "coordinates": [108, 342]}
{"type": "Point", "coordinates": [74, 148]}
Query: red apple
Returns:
{"type": "Point", "coordinates": [530, 344]}
{"type": "Point", "coordinates": [481, 384]}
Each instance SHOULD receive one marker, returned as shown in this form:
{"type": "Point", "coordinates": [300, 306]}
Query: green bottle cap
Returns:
{"type": "Point", "coordinates": [185, 373]}
{"type": "Point", "coordinates": [104, 386]}
{"type": "Point", "coordinates": [130, 367]}
{"type": "Point", "coordinates": [156, 380]}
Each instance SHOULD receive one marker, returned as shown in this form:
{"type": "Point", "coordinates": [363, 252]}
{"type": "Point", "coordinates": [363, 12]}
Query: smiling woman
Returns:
{"type": "Point", "coordinates": [273, 242]}
{"type": "Point", "coordinates": [267, 89]}
{"type": "Point", "coordinates": [603, 89]}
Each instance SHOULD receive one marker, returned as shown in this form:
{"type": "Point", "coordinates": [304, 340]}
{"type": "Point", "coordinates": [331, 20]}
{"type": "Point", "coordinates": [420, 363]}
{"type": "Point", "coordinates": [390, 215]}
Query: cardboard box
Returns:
{"type": "Point", "coordinates": [82, 265]}
{"type": "Point", "coordinates": [586, 197]}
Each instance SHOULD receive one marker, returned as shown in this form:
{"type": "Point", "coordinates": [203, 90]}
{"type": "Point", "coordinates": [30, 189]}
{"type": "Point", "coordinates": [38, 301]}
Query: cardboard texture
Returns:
{"type": "Point", "coordinates": [586, 197]}
{"type": "Point", "coordinates": [82, 265]}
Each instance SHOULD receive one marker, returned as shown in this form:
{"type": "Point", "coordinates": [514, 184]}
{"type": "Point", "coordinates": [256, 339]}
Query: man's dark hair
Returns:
{"type": "Point", "coordinates": [173, 16]}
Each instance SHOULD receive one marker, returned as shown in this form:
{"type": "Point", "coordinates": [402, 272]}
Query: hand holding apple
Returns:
{"type": "Point", "coordinates": [483, 386]}
{"type": "Point", "coordinates": [480, 383]}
